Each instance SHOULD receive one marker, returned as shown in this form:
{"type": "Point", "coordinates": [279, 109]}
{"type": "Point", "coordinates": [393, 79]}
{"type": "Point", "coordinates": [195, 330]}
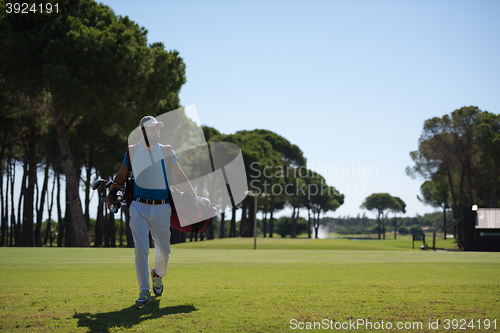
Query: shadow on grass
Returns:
{"type": "Point", "coordinates": [128, 317]}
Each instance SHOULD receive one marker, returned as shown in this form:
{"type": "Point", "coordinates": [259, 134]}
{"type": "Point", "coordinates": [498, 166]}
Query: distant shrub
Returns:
{"type": "Point", "coordinates": [403, 231]}
{"type": "Point", "coordinates": [376, 230]}
{"type": "Point", "coordinates": [416, 229]}
{"type": "Point", "coordinates": [342, 230]}
{"type": "Point", "coordinates": [284, 226]}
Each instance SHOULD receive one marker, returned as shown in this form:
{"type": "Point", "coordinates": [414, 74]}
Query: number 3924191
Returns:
{"type": "Point", "coordinates": [25, 8]}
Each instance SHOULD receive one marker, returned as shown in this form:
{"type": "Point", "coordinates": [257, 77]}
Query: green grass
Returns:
{"type": "Point", "coordinates": [212, 290]}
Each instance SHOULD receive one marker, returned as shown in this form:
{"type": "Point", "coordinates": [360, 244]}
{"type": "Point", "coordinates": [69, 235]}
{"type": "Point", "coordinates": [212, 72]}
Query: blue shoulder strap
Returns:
{"type": "Point", "coordinates": [163, 163]}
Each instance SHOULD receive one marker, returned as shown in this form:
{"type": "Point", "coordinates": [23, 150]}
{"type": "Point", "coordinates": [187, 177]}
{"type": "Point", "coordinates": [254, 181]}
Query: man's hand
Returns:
{"type": "Point", "coordinates": [202, 201]}
{"type": "Point", "coordinates": [182, 181]}
{"type": "Point", "coordinates": [120, 178]}
{"type": "Point", "coordinates": [109, 201]}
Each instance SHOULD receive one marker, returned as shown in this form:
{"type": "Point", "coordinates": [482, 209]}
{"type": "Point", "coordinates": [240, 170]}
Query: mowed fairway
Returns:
{"type": "Point", "coordinates": [220, 289]}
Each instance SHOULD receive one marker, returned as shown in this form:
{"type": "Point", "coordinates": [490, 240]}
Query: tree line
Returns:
{"type": "Point", "coordinates": [72, 87]}
{"type": "Point", "coordinates": [364, 225]}
{"type": "Point", "coordinates": [277, 168]}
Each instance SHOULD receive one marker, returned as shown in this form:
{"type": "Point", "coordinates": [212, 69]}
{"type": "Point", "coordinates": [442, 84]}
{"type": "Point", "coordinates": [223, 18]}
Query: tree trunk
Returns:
{"type": "Point", "coordinates": [3, 207]}
{"type": "Point", "coordinates": [5, 210]}
{"type": "Point", "coordinates": [243, 218]}
{"type": "Point", "coordinates": [309, 222]}
{"type": "Point", "coordinates": [29, 198]}
{"type": "Point", "coordinates": [294, 221]}
{"type": "Point", "coordinates": [232, 229]}
{"type": "Point", "coordinates": [383, 225]}
{"type": "Point", "coordinates": [459, 228]}
{"type": "Point", "coordinates": [316, 224]}
{"type": "Point", "coordinates": [101, 192]}
{"type": "Point", "coordinates": [105, 224]}
{"type": "Point", "coordinates": [70, 236]}
{"type": "Point", "coordinates": [395, 226]}
{"type": "Point", "coordinates": [271, 218]}
{"type": "Point", "coordinates": [48, 231]}
{"type": "Point", "coordinates": [468, 222]}
{"type": "Point", "coordinates": [35, 205]}
{"type": "Point", "coordinates": [211, 229]}
{"type": "Point", "coordinates": [14, 233]}
{"type": "Point", "coordinates": [453, 195]}
{"type": "Point", "coordinates": [121, 227]}
{"type": "Point", "coordinates": [39, 214]}
{"type": "Point", "coordinates": [252, 214]}
{"type": "Point", "coordinates": [75, 206]}
{"type": "Point", "coordinates": [4, 203]}
{"type": "Point", "coordinates": [468, 172]}
{"type": "Point", "coordinates": [222, 225]}
{"type": "Point", "coordinates": [461, 194]}
{"type": "Point", "coordinates": [264, 221]}
{"type": "Point", "coordinates": [444, 222]}
{"type": "Point", "coordinates": [60, 221]}
{"type": "Point", "coordinates": [88, 169]}
{"type": "Point", "coordinates": [112, 230]}
{"type": "Point", "coordinates": [379, 225]}
{"type": "Point", "coordinates": [468, 229]}
{"type": "Point", "coordinates": [20, 238]}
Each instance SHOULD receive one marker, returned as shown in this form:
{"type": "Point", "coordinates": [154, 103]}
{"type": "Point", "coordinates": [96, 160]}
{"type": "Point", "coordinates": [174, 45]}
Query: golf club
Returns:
{"type": "Point", "coordinates": [116, 193]}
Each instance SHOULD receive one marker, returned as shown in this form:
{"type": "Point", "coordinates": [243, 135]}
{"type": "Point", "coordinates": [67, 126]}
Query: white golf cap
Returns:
{"type": "Point", "coordinates": [150, 121]}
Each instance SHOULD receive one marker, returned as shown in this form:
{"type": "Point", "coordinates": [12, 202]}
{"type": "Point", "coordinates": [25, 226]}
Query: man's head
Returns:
{"type": "Point", "coordinates": [151, 128]}
{"type": "Point", "coordinates": [150, 121]}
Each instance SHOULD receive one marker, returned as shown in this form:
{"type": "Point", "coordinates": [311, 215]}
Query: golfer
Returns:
{"type": "Point", "coordinates": [150, 210]}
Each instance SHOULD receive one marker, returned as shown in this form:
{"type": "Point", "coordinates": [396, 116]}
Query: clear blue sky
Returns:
{"type": "Point", "coordinates": [350, 82]}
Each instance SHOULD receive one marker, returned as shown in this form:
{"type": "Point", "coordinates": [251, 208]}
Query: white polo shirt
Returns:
{"type": "Point", "coordinates": [150, 180]}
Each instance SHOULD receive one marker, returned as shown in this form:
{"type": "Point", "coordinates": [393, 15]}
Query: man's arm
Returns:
{"type": "Point", "coordinates": [120, 178]}
{"type": "Point", "coordinates": [182, 180]}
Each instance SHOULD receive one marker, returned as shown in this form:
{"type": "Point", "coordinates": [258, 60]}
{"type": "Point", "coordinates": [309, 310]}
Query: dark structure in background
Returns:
{"type": "Point", "coordinates": [487, 231]}
{"type": "Point", "coordinates": [485, 234]}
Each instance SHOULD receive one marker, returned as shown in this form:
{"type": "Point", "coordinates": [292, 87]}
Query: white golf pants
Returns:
{"type": "Point", "coordinates": [143, 219]}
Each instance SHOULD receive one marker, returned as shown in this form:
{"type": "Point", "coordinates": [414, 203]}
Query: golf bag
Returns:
{"type": "Point", "coordinates": [185, 208]}
{"type": "Point", "coordinates": [129, 182]}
